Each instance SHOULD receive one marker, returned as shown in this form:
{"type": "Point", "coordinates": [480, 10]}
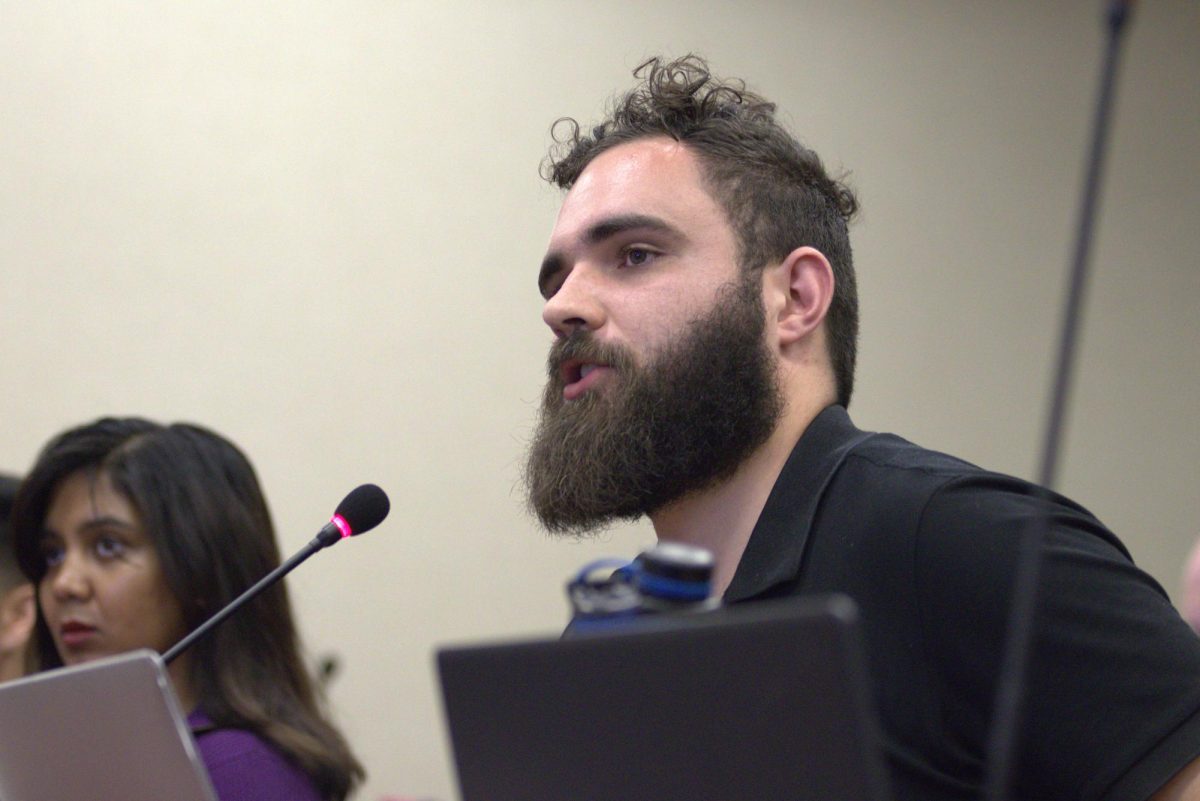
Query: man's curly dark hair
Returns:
{"type": "Point", "coordinates": [775, 192]}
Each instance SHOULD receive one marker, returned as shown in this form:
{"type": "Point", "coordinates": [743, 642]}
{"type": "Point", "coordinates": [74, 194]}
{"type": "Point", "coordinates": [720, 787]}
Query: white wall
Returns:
{"type": "Point", "coordinates": [315, 226]}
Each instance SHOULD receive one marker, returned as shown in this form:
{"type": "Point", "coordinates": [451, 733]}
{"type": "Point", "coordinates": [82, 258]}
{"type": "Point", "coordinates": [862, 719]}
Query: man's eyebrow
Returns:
{"type": "Point", "coordinates": [600, 231]}
{"type": "Point", "coordinates": [612, 226]}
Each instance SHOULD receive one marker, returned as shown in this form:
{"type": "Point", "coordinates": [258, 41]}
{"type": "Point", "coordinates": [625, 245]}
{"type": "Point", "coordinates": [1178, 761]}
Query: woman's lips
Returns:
{"type": "Point", "coordinates": [75, 634]}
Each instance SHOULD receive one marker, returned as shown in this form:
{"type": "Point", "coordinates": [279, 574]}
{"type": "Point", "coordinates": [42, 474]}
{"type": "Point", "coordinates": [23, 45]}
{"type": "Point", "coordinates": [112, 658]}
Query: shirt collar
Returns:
{"type": "Point", "coordinates": [776, 547]}
{"type": "Point", "coordinates": [199, 723]}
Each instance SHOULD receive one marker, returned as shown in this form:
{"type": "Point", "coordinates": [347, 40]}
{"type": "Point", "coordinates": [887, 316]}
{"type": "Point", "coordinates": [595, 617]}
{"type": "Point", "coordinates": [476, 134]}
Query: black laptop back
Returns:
{"type": "Point", "coordinates": [769, 701]}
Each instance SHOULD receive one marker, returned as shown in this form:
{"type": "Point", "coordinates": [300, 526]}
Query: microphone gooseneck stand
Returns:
{"type": "Point", "coordinates": [1007, 711]}
{"type": "Point", "coordinates": [266, 581]}
{"type": "Point", "coordinates": [362, 510]}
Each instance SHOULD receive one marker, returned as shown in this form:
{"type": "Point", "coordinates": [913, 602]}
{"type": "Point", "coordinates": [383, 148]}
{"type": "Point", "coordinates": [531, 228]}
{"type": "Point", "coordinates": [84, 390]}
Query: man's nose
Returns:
{"type": "Point", "coordinates": [577, 304]}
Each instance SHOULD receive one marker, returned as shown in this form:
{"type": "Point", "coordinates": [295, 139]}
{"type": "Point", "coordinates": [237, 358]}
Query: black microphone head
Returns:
{"type": "Point", "coordinates": [363, 509]}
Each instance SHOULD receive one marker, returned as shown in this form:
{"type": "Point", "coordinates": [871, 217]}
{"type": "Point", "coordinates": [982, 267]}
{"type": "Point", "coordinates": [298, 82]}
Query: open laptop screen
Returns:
{"type": "Point", "coordinates": [109, 729]}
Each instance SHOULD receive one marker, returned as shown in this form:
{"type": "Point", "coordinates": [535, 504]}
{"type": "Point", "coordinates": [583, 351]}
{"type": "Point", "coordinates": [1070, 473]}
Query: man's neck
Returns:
{"type": "Point", "coordinates": [722, 518]}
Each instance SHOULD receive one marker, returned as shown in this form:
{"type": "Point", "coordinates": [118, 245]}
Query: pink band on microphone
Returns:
{"type": "Point", "coordinates": [342, 525]}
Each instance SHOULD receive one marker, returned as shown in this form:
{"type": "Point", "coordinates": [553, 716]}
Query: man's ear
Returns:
{"type": "Point", "coordinates": [18, 613]}
{"type": "Point", "coordinates": [802, 288]}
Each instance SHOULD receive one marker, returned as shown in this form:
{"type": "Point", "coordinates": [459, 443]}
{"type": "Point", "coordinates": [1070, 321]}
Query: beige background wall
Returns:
{"type": "Point", "coordinates": [315, 226]}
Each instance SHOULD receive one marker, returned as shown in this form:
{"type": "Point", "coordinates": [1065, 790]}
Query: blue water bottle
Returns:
{"type": "Point", "coordinates": [669, 578]}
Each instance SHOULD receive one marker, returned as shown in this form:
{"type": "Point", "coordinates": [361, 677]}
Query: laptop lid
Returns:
{"type": "Point", "coordinates": [765, 701]}
{"type": "Point", "coordinates": [109, 729]}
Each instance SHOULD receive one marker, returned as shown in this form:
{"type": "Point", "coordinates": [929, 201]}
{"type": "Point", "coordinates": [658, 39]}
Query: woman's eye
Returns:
{"type": "Point", "coordinates": [109, 548]}
{"type": "Point", "coordinates": [52, 555]}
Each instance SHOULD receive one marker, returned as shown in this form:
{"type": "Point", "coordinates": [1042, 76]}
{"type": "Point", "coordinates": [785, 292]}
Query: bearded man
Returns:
{"type": "Point", "coordinates": [700, 287]}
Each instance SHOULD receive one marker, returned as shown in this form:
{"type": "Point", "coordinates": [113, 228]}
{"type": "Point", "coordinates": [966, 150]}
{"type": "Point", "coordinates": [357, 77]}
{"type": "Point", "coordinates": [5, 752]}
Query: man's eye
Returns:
{"type": "Point", "coordinates": [638, 257]}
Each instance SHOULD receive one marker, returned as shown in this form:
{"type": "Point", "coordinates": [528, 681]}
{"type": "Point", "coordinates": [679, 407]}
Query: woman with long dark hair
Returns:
{"type": "Point", "coordinates": [134, 533]}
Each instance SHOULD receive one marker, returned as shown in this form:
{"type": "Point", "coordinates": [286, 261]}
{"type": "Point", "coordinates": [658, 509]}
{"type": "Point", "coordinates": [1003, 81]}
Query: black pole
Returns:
{"type": "Point", "coordinates": [1006, 717]}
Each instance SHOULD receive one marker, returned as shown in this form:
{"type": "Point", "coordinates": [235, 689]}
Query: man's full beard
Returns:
{"type": "Point", "coordinates": [679, 424]}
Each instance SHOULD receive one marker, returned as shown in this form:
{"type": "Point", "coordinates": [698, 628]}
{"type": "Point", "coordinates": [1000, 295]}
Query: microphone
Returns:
{"type": "Point", "coordinates": [362, 510]}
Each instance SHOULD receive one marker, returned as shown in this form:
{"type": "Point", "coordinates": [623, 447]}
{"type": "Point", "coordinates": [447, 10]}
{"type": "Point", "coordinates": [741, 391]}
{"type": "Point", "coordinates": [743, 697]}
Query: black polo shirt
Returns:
{"type": "Point", "coordinates": [927, 545]}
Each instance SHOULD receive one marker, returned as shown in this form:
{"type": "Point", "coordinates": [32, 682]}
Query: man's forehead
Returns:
{"type": "Point", "coordinates": [647, 176]}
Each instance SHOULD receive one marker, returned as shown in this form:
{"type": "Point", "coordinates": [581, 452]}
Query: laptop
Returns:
{"type": "Point", "coordinates": [109, 730]}
{"type": "Point", "coordinates": [766, 702]}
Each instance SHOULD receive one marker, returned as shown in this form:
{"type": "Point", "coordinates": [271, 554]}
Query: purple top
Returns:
{"type": "Point", "coordinates": [245, 768]}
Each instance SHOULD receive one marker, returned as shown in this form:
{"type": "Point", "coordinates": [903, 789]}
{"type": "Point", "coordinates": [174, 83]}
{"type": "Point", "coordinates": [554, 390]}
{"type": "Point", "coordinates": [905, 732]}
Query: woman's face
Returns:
{"type": "Point", "coordinates": [104, 591]}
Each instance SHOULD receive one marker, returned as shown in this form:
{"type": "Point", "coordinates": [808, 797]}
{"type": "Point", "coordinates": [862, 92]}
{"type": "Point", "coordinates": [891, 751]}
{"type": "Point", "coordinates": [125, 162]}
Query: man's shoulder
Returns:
{"type": "Point", "coordinates": [890, 452]}
{"type": "Point", "coordinates": [888, 469]}
{"type": "Point", "coordinates": [833, 439]}
{"type": "Point", "coordinates": [834, 456]}
{"type": "Point", "coordinates": [948, 503]}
